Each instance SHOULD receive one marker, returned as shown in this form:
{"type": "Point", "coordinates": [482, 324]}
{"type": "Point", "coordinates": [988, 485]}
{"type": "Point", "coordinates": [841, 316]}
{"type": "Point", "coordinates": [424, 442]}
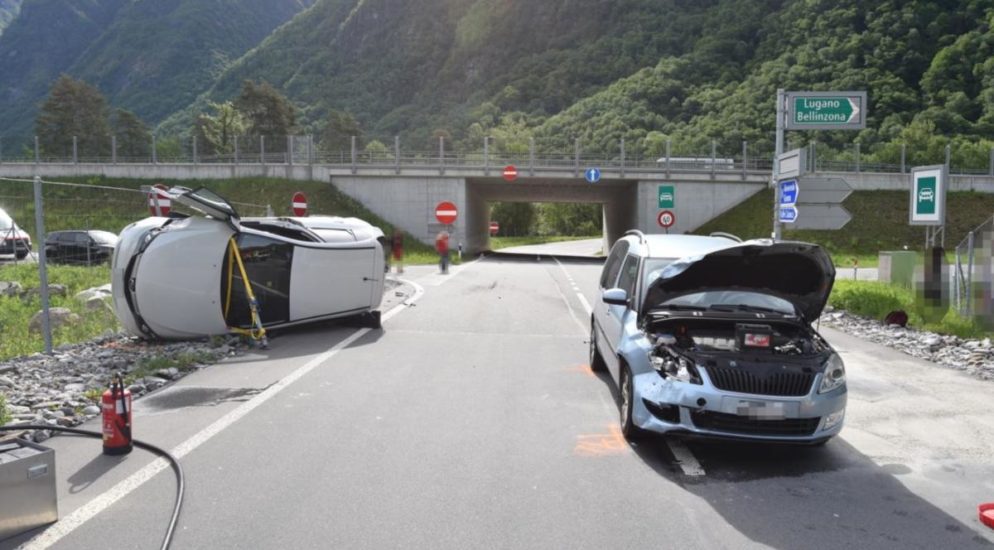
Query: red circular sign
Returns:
{"type": "Point", "coordinates": [159, 203]}
{"type": "Point", "coordinates": [299, 204]}
{"type": "Point", "coordinates": [510, 172]}
{"type": "Point", "coordinates": [666, 219]}
{"type": "Point", "coordinates": [494, 228]}
{"type": "Point", "coordinates": [446, 212]}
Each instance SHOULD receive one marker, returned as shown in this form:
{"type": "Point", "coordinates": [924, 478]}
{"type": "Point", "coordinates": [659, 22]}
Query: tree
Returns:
{"type": "Point", "coordinates": [133, 137]}
{"type": "Point", "coordinates": [267, 112]}
{"type": "Point", "coordinates": [515, 218]}
{"type": "Point", "coordinates": [216, 133]}
{"type": "Point", "coordinates": [338, 131]}
{"type": "Point", "coordinates": [73, 108]}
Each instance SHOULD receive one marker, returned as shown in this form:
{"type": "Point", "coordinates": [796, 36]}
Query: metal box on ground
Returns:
{"type": "Point", "coordinates": [27, 487]}
{"type": "Point", "coordinates": [897, 267]}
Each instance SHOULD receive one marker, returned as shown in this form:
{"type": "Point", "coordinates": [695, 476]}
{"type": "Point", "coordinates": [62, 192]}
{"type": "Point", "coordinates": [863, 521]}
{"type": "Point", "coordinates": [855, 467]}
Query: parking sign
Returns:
{"type": "Point", "coordinates": [667, 196]}
{"type": "Point", "coordinates": [928, 195]}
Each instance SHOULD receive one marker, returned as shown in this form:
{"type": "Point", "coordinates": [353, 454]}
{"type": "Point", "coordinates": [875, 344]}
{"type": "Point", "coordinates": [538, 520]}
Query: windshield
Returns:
{"type": "Point", "coordinates": [731, 300]}
{"type": "Point", "coordinates": [104, 237]}
{"type": "Point", "coordinates": [5, 221]}
{"type": "Point", "coordinates": [653, 267]}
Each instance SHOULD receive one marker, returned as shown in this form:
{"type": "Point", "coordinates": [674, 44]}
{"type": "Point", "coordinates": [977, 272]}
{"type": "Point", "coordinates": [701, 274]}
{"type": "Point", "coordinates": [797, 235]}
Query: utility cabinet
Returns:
{"type": "Point", "coordinates": [27, 487]}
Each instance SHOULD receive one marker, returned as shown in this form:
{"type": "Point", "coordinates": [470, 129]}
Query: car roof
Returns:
{"type": "Point", "coordinates": [679, 246]}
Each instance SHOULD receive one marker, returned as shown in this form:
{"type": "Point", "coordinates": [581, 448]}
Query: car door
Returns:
{"type": "Point", "coordinates": [617, 315]}
{"type": "Point", "coordinates": [603, 321]}
{"type": "Point", "coordinates": [333, 280]}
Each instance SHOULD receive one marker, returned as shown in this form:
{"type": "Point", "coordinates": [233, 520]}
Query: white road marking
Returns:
{"type": "Point", "coordinates": [686, 459]}
{"type": "Point", "coordinates": [86, 512]}
{"type": "Point", "coordinates": [688, 463]}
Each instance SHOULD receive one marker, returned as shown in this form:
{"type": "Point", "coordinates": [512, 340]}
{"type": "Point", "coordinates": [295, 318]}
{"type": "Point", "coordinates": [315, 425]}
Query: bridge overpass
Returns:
{"type": "Point", "coordinates": [406, 194]}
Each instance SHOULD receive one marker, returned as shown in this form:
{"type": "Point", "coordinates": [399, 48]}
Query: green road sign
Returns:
{"type": "Point", "coordinates": [667, 196]}
{"type": "Point", "coordinates": [826, 110]}
{"type": "Point", "coordinates": [928, 195]}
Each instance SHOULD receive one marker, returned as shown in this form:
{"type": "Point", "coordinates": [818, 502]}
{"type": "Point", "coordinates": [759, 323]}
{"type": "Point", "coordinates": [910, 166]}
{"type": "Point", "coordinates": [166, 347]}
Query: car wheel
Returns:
{"type": "Point", "coordinates": [597, 363]}
{"type": "Point", "coordinates": [628, 427]}
{"type": "Point", "coordinates": [21, 255]}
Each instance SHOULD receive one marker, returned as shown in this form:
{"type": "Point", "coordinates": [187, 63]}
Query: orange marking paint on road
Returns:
{"type": "Point", "coordinates": [612, 443]}
{"type": "Point", "coordinates": [585, 369]}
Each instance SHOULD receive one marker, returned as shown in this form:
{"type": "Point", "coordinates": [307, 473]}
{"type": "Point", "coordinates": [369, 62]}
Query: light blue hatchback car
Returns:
{"type": "Point", "coordinates": [713, 337]}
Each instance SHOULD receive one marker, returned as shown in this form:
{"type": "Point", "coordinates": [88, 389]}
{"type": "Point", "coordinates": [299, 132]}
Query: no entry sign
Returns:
{"type": "Point", "coordinates": [510, 172]}
{"type": "Point", "coordinates": [666, 219]}
{"type": "Point", "coordinates": [446, 212]}
{"type": "Point", "coordinates": [158, 200]}
{"type": "Point", "coordinates": [299, 204]}
{"type": "Point", "coordinates": [494, 228]}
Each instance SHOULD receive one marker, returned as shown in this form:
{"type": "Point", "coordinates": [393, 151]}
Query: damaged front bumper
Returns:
{"type": "Point", "coordinates": [669, 406]}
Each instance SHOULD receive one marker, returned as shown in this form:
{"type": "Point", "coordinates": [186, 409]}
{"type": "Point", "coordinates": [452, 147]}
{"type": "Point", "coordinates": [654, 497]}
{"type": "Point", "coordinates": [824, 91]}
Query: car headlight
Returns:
{"type": "Point", "coordinates": [680, 369]}
{"type": "Point", "coordinates": [834, 374]}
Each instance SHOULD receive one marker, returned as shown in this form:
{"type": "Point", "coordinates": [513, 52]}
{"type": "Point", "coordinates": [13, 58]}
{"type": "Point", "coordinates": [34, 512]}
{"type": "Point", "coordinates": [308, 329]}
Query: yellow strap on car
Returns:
{"type": "Point", "coordinates": [258, 332]}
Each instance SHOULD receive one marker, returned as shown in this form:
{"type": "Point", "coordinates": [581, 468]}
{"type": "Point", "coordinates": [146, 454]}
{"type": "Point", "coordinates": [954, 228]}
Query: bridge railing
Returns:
{"type": "Point", "coordinates": [527, 155]}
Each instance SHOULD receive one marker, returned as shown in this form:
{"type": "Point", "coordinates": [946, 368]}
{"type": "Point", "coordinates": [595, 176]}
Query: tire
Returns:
{"type": "Point", "coordinates": [21, 255]}
{"type": "Point", "coordinates": [372, 320]}
{"type": "Point", "coordinates": [597, 363]}
{"type": "Point", "coordinates": [625, 387]}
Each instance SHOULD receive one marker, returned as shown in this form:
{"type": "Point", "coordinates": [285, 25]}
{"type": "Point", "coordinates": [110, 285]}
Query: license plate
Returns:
{"type": "Point", "coordinates": [762, 410]}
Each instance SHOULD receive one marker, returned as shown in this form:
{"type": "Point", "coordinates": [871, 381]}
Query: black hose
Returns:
{"type": "Point", "coordinates": [180, 480]}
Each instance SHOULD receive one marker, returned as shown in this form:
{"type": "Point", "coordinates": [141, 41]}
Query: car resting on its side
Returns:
{"type": "Point", "coordinates": [711, 337]}
{"type": "Point", "coordinates": [215, 273]}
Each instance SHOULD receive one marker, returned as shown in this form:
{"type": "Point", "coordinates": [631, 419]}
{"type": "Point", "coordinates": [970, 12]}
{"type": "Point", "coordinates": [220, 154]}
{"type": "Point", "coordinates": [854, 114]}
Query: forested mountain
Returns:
{"type": "Point", "coordinates": [598, 70]}
{"type": "Point", "coordinates": [150, 57]}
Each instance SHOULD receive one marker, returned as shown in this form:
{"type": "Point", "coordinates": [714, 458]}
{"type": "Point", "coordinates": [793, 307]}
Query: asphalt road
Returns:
{"type": "Point", "coordinates": [473, 421]}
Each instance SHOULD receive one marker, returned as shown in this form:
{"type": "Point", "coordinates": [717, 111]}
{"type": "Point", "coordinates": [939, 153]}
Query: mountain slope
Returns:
{"type": "Point", "coordinates": [149, 57]}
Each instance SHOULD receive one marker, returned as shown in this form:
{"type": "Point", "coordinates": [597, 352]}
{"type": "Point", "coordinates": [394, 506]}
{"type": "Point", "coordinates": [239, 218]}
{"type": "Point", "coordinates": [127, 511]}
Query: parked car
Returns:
{"type": "Point", "coordinates": [708, 336]}
{"type": "Point", "coordinates": [13, 239]}
{"type": "Point", "coordinates": [179, 277]}
{"type": "Point", "coordinates": [80, 246]}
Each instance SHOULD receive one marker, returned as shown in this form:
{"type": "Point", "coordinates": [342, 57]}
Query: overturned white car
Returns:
{"type": "Point", "coordinates": [187, 277]}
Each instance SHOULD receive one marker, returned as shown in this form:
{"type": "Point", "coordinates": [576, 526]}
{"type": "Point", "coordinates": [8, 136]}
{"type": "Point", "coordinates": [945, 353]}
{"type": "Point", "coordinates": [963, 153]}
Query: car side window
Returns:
{"type": "Point", "coordinates": [613, 265]}
{"type": "Point", "coordinates": [629, 274]}
{"type": "Point", "coordinates": [82, 238]}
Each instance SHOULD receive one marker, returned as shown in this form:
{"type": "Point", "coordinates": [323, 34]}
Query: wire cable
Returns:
{"type": "Point", "coordinates": [177, 468]}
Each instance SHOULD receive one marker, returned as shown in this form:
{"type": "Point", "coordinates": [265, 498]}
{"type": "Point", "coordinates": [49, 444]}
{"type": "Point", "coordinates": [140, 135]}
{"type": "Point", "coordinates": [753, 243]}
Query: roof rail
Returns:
{"type": "Point", "coordinates": [637, 233]}
{"type": "Point", "coordinates": [725, 235]}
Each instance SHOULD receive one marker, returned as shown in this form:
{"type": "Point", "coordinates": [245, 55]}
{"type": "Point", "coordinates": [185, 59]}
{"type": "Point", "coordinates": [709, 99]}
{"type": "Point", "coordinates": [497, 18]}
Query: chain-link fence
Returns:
{"type": "Point", "coordinates": [973, 274]}
{"type": "Point", "coordinates": [56, 243]}
{"type": "Point", "coordinates": [525, 152]}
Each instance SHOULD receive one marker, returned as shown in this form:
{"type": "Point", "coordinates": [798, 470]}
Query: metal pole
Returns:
{"type": "Point", "coordinates": [486, 155]}
{"type": "Point", "coordinates": [75, 150]}
{"type": "Point", "coordinates": [949, 149]}
{"type": "Point", "coordinates": [195, 159]}
{"type": "Point", "coordinates": [1, 150]}
{"type": "Point", "coordinates": [46, 327]}
{"type": "Point", "coordinates": [777, 231]}
{"type": "Point", "coordinates": [857, 157]}
{"type": "Point", "coordinates": [396, 152]}
{"type": "Point", "coordinates": [289, 150]}
{"type": "Point", "coordinates": [441, 154]}
{"type": "Point", "coordinates": [155, 153]}
{"type": "Point", "coordinates": [745, 158]}
{"type": "Point", "coordinates": [37, 153]}
{"type": "Point", "coordinates": [969, 274]}
{"type": "Point", "coordinates": [904, 156]}
{"type": "Point", "coordinates": [310, 149]}
{"type": "Point", "coordinates": [113, 158]}
{"type": "Point", "coordinates": [622, 157]}
{"type": "Point", "coordinates": [714, 155]}
{"type": "Point", "coordinates": [262, 152]}
{"type": "Point", "coordinates": [990, 163]}
{"type": "Point", "coordinates": [531, 156]}
{"type": "Point", "coordinates": [812, 156]}
{"type": "Point", "coordinates": [353, 155]}
{"type": "Point", "coordinates": [236, 150]}
{"type": "Point", "coordinates": [576, 157]}
{"type": "Point", "coordinates": [667, 158]}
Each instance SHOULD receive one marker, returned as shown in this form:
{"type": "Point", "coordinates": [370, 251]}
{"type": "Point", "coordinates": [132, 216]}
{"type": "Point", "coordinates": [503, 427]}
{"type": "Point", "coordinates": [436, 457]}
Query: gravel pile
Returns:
{"type": "Point", "coordinates": [64, 389]}
{"type": "Point", "coordinates": [976, 357]}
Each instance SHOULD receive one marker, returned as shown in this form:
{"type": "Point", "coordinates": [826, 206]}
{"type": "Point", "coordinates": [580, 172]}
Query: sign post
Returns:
{"type": "Point", "coordinates": [928, 200]}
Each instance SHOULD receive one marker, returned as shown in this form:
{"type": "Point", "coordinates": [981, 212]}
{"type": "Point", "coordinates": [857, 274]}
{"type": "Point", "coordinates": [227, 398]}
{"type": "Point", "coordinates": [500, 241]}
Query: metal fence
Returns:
{"type": "Point", "coordinates": [973, 267]}
{"type": "Point", "coordinates": [45, 223]}
{"type": "Point", "coordinates": [527, 153]}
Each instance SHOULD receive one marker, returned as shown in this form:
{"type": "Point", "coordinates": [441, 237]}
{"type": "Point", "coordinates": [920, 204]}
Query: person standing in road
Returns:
{"type": "Point", "coordinates": [442, 247]}
{"type": "Point", "coordinates": [397, 249]}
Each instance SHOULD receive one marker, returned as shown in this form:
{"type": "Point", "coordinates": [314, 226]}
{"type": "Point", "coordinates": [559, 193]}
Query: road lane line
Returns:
{"type": "Point", "coordinates": [583, 299]}
{"type": "Point", "coordinates": [572, 314]}
{"type": "Point", "coordinates": [684, 458]}
{"type": "Point", "coordinates": [89, 510]}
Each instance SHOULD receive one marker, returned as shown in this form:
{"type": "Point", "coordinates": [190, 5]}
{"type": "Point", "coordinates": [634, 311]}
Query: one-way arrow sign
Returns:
{"type": "Point", "coordinates": [820, 190]}
{"type": "Point", "coordinates": [821, 216]}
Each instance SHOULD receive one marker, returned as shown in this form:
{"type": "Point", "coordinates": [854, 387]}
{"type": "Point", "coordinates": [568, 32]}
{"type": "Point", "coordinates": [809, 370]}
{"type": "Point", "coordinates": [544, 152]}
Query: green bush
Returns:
{"type": "Point", "coordinates": [872, 299]}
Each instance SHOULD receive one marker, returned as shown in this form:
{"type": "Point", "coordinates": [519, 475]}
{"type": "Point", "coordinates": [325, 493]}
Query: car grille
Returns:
{"type": "Point", "coordinates": [735, 424]}
{"type": "Point", "coordinates": [783, 383]}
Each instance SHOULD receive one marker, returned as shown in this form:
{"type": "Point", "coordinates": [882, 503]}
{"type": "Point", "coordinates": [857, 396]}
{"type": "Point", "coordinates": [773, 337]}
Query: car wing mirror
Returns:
{"type": "Point", "coordinates": [615, 297]}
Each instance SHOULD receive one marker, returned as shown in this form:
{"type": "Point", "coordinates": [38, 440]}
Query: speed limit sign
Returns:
{"type": "Point", "coordinates": [666, 219]}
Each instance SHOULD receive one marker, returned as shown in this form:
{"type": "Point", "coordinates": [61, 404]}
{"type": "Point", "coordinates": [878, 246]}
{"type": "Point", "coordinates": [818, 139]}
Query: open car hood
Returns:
{"type": "Point", "coordinates": [801, 273]}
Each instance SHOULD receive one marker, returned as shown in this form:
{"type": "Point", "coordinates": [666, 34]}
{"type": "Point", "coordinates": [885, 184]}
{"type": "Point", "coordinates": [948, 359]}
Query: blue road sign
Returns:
{"type": "Point", "coordinates": [788, 192]}
{"type": "Point", "coordinates": [593, 175]}
{"type": "Point", "coordinates": [788, 214]}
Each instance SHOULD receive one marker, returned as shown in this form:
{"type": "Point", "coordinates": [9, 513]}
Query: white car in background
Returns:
{"type": "Point", "coordinates": [177, 278]}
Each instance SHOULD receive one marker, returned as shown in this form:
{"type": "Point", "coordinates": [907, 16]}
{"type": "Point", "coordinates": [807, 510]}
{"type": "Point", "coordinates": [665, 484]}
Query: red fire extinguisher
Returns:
{"type": "Point", "coordinates": [116, 408]}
